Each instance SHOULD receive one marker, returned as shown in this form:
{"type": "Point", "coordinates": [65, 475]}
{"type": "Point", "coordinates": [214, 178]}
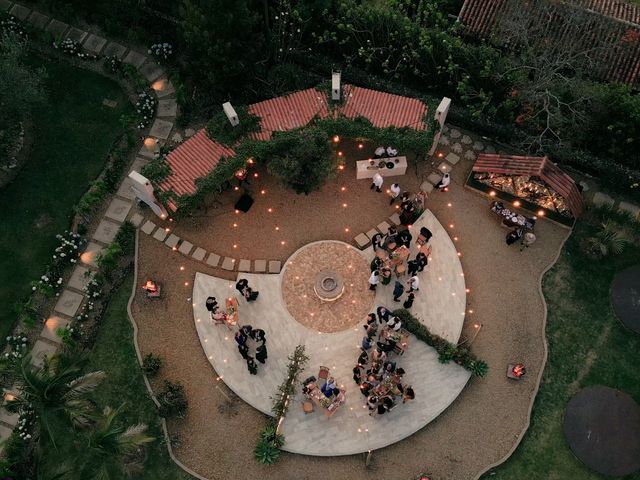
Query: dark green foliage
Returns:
{"type": "Point", "coordinates": [126, 238]}
{"type": "Point", "coordinates": [446, 351]}
{"type": "Point", "coordinates": [302, 159]}
{"type": "Point", "coordinates": [266, 452]}
{"type": "Point", "coordinates": [297, 362]}
{"type": "Point", "coordinates": [173, 401]}
{"type": "Point", "coordinates": [156, 170]}
{"type": "Point", "coordinates": [151, 364]}
{"type": "Point", "coordinates": [220, 129]}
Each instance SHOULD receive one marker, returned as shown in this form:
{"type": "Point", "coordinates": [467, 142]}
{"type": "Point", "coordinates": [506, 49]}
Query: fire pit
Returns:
{"type": "Point", "coordinates": [328, 286]}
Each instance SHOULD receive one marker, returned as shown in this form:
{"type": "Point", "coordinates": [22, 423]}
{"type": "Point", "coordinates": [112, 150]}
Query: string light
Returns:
{"type": "Point", "coordinates": [255, 175]}
{"type": "Point", "coordinates": [344, 205]}
{"type": "Point", "coordinates": [181, 268]}
{"type": "Point", "coordinates": [343, 189]}
{"type": "Point", "coordinates": [339, 154]}
{"type": "Point", "coordinates": [336, 139]}
{"type": "Point", "coordinates": [516, 203]}
{"type": "Point", "coordinates": [360, 146]}
{"type": "Point", "coordinates": [263, 192]}
{"type": "Point", "coordinates": [492, 193]}
{"type": "Point", "coordinates": [269, 210]}
{"type": "Point", "coordinates": [235, 224]}
{"type": "Point", "coordinates": [277, 229]}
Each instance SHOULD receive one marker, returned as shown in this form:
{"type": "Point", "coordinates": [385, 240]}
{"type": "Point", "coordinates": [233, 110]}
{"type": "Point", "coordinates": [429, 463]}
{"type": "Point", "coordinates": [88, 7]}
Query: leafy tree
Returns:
{"type": "Point", "coordinates": [223, 43]}
{"type": "Point", "coordinates": [302, 159]}
{"type": "Point", "coordinates": [115, 449]}
{"type": "Point", "coordinates": [57, 389]}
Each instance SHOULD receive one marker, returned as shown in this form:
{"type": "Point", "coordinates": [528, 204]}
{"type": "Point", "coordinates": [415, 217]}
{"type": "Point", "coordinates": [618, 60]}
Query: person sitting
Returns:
{"type": "Point", "coordinates": [328, 387]}
{"type": "Point", "coordinates": [408, 394]}
{"type": "Point", "coordinates": [388, 346]}
{"type": "Point", "coordinates": [380, 152]}
{"type": "Point", "coordinates": [365, 388]}
{"type": "Point", "coordinates": [391, 240]}
{"type": "Point", "coordinates": [444, 182]}
{"type": "Point", "coordinates": [387, 403]}
{"type": "Point", "coordinates": [372, 402]}
{"type": "Point", "coordinates": [405, 237]}
{"type": "Point", "coordinates": [218, 316]}
{"type": "Point", "coordinates": [376, 241]}
{"type": "Point", "coordinates": [389, 367]}
{"type": "Point", "coordinates": [375, 369]}
{"type": "Point", "coordinates": [399, 373]}
{"type": "Point", "coordinates": [394, 323]}
{"type": "Point", "coordinates": [357, 374]}
{"type": "Point", "coordinates": [371, 329]}
{"type": "Point", "coordinates": [376, 264]}
{"type": "Point", "coordinates": [383, 315]}
{"type": "Point", "coordinates": [363, 359]}
{"type": "Point", "coordinates": [378, 355]}
{"type": "Point", "coordinates": [211, 303]}
{"type": "Point", "coordinates": [391, 152]}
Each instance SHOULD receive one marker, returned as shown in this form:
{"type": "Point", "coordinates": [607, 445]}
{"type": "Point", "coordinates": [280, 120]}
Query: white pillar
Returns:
{"type": "Point", "coordinates": [144, 191]}
{"type": "Point", "coordinates": [335, 85]}
{"type": "Point", "coordinates": [441, 117]}
{"type": "Point", "coordinates": [231, 114]}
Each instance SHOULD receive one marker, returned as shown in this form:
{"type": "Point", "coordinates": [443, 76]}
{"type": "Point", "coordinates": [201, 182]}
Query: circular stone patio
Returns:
{"type": "Point", "coordinates": [300, 286]}
{"type": "Point", "coordinates": [602, 426]}
{"type": "Point", "coordinates": [625, 297]}
{"type": "Point", "coordinates": [440, 304]}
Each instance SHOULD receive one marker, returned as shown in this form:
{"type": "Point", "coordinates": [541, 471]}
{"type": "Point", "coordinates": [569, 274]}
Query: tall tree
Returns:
{"type": "Point", "coordinates": [223, 43]}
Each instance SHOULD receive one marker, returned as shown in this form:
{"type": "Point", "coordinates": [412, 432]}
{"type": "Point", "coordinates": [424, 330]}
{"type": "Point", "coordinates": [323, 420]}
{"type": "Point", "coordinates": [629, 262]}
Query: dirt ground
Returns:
{"type": "Point", "coordinates": [476, 431]}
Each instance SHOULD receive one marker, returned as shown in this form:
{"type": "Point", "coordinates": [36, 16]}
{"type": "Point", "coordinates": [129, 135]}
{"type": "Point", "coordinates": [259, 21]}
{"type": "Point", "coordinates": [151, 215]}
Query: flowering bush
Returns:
{"type": "Point", "coordinates": [146, 109]}
{"type": "Point", "coordinates": [64, 255]}
{"type": "Point", "coordinates": [25, 424]}
{"type": "Point", "coordinates": [73, 48]}
{"type": "Point", "coordinates": [17, 346]}
{"type": "Point", "coordinates": [161, 50]}
{"type": "Point", "coordinates": [113, 64]}
{"type": "Point", "coordinates": [85, 311]}
{"type": "Point", "coordinates": [93, 289]}
{"type": "Point", "coordinates": [10, 26]}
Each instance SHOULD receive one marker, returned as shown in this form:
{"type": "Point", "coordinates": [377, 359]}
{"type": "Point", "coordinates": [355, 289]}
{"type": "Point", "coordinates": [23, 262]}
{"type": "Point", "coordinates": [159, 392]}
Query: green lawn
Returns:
{"type": "Point", "coordinates": [581, 326]}
{"type": "Point", "coordinates": [114, 353]}
{"type": "Point", "coordinates": [73, 133]}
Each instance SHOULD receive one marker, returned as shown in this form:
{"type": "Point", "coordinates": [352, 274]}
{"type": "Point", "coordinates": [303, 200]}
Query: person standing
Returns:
{"type": "Point", "coordinates": [443, 184]}
{"type": "Point", "coordinates": [252, 366]}
{"type": "Point", "coordinates": [261, 353]}
{"type": "Point", "coordinates": [412, 267]}
{"type": "Point", "coordinates": [391, 152]}
{"type": "Point", "coordinates": [394, 191]}
{"type": "Point", "coordinates": [380, 152]}
{"type": "Point", "coordinates": [374, 279]}
{"type": "Point", "coordinates": [414, 283]}
{"type": "Point", "coordinates": [398, 290]}
{"type": "Point", "coordinates": [244, 351]}
{"type": "Point", "coordinates": [240, 338]}
{"type": "Point", "coordinates": [377, 182]}
{"type": "Point", "coordinates": [422, 260]}
{"type": "Point", "coordinates": [408, 303]}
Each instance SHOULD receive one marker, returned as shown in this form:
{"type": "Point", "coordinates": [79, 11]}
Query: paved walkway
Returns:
{"type": "Point", "coordinates": [350, 430]}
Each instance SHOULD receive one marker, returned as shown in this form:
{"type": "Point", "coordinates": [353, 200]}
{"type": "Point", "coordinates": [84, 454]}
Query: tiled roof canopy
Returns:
{"type": "Point", "coordinates": [197, 156]}
{"type": "Point", "coordinates": [540, 167]}
{"type": "Point", "coordinates": [614, 28]}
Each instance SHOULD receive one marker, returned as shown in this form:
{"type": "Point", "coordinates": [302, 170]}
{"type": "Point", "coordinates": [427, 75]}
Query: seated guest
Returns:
{"type": "Point", "coordinates": [405, 237]}
{"type": "Point", "coordinates": [371, 330]}
{"type": "Point", "coordinates": [391, 239]}
{"type": "Point", "coordinates": [376, 368]}
{"type": "Point", "coordinates": [383, 315]}
{"type": "Point", "coordinates": [378, 355]}
{"type": "Point", "coordinates": [240, 338]}
{"type": "Point", "coordinates": [372, 402]}
{"type": "Point", "coordinates": [394, 323]}
{"type": "Point", "coordinates": [380, 152]}
{"type": "Point", "coordinates": [328, 387]}
{"type": "Point", "coordinates": [426, 233]}
{"type": "Point", "coordinates": [387, 346]}
{"type": "Point", "coordinates": [389, 367]}
{"type": "Point", "coordinates": [366, 342]}
{"type": "Point", "coordinates": [399, 373]}
{"type": "Point", "coordinates": [376, 263]}
{"type": "Point", "coordinates": [376, 241]}
{"type": "Point", "coordinates": [363, 359]}
{"type": "Point", "coordinates": [387, 402]}
{"type": "Point", "coordinates": [357, 373]}
{"type": "Point", "coordinates": [365, 388]}
{"type": "Point", "coordinates": [408, 394]}
{"type": "Point", "coordinates": [210, 303]}
{"type": "Point", "coordinates": [391, 152]}
{"type": "Point", "coordinates": [218, 315]}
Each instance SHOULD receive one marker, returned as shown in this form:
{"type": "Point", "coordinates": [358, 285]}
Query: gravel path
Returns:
{"type": "Point", "coordinates": [479, 429]}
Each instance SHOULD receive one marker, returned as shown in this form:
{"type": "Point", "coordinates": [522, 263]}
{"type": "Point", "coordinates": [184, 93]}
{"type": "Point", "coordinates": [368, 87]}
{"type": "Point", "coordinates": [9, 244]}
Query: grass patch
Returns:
{"type": "Point", "coordinates": [115, 354]}
{"type": "Point", "coordinates": [73, 132]}
{"type": "Point", "coordinates": [587, 346]}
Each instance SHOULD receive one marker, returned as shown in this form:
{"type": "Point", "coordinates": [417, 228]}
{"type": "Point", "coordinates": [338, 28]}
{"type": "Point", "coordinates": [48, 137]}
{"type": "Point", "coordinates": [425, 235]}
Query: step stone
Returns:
{"type": "Point", "coordinates": [260, 266]}
{"type": "Point", "coordinates": [199, 253]}
{"type": "Point", "coordinates": [275, 266]}
{"type": "Point", "coordinates": [213, 260]}
{"type": "Point", "coordinates": [185, 247]}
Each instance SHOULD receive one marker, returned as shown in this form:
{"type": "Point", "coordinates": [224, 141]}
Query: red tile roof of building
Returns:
{"type": "Point", "coordinates": [197, 156]}
{"type": "Point", "coordinates": [540, 167]}
{"type": "Point", "coordinates": [618, 32]}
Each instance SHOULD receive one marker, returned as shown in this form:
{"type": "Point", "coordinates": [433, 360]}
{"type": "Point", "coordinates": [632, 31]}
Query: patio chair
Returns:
{"type": "Point", "coordinates": [323, 374]}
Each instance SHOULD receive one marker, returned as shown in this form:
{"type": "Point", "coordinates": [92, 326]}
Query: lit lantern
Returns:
{"type": "Point", "coordinates": [492, 193]}
{"type": "Point", "coordinates": [516, 203]}
{"type": "Point", "coordinates": [241, 174]}
{"type": "Point", "coordinates": [336, 139]}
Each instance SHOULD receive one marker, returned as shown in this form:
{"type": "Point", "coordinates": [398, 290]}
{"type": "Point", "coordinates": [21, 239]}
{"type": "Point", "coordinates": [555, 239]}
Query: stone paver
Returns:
{"type": "Point", "coordinates": [94, 43]}
{"type": "Point", "coordinates": [478, 146]}
{"type": "Point", "coordinates": [260, 266]}
{"type": "Point", "coordinates": [452, 158]}
{"type": "Point", "coordinates": [38, 20]}
{"type": "Point", "coordinates": [57, 28]}
{"type": "Point", "coordinates": [634, 210]}
{"type": "Point", "coordinates": [490, 149]}
{"type": "Point", "coordinates": [189, 132]}
{"type": "Point", "coordinates": [176, 137]}
{"type": "Point", "coordinates": [244, 265]}
{"type": "Point", "coordinates": [163, 88]}
{"type": "Point", "coordinates": [466, 139]}
{"type": "Point", "coordinates": [455, 133]}
{"type": "Point", "coordinates": [185, 247]}
{"type": "Point", "coordinates": [199, 253]}
{"type": "Point", "coordinates": [125, 190]}
{"type": "Point", "coordinates": [76, 34]}
{"type": "Point", "coordinates": [160, 234]}
{"type": "Point", "coordinates": [20, 12]}
{"type": "Point", "coordinates": [228, 263]}
{"type": "Point", "coordinates": [8, 417]}
{"type": "Point", "coordinates": [172, 241]}
{"type": "Point", "coordinates": [434, 178]}
{"type": "Point", "coordinates": [444, 167]}
{"type": "Point", "coordinates": [4, 5]}
{"type": "Point", "coordinates": [68, 303]}
{"type": "Point", "coordinates": [114, 49]}
{"type": "Point", "coordinates": [213, 259]}
{"type": "Point", "coordinates": [600, 198]}
{"type": "Point", "coordinates": [275, 266]}
{"type": "Point", "coordinates": [91, 254]}
{"type": "Point", "coordinates": [151, 71]}
{"type": "Point", "coordinates": [383, 227]}
{"type": "Point", "coordinates": [106, 231]}
{"type": "Point", "coordinates": [78, 279]}
{"type": "Point", "coordinates": [51, 326]}
{"type": "Point", "coordinates": [470, 155]}
{"type": "Point", "coordinates": [168, 108]}
{"type": "Point", "coordinates": [134, 58]}
{"type": "Point", "coordinates": [457, 148]}
{"type": "Point", "coordinates": [161, 129]}
{"type": "Point", "coordinates": [148, 227]}
{"type": "Point", "coordinates": [139, 163]}
{"type": "Point", "coordinates": [426, 186]}
{"type": "Point", "coordinates": [149, 151]}
{"type": "Point", "coordinates": [118, 210]}
{"type": "Point", "coordinates": [444, 140]}
{"type": "Point", "coordinates": [136, 219]}
{"type": "Point", "coordinates": [361, 240]}
{"type": "Point", "coordinates": [42, 349]}
{"type": "Point", "coordinates": [395, 219]}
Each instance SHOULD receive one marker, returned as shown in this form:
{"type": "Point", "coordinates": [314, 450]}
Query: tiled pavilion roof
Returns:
{"type": "Point", "coordinates": [614, 29]}
{"type": "Point", "coordinates": [197, 156]}
{"type": "Point", "coordinates": [540, 167]}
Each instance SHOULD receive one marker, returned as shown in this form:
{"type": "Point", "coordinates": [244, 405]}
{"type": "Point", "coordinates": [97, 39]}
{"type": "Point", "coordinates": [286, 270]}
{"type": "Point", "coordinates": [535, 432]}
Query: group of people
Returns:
{"type": "Point", "coordinates": [242, 336]}
{"type": "Point", "coordinates": [377, 375]}
{"type": "Point", "coordinates": [411, 205]}
{"type": "Point", "coordinates": [382, 268]}
{"type": "Point", "coordinates": [385, 152]}
{"type": "Point", "coordinates": [246, 291]}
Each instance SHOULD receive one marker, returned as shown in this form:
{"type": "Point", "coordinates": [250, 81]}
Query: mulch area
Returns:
{"type": "Point", "coordinates": [602, 426]}
{"type": "Point", "coordinates": [625, 297]}
{"type": "Point", "coordinates": [476, 431]}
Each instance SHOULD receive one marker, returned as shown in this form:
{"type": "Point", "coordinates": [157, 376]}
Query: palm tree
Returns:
{"type": "Point", "coordinates": [115, 447]}
{"type": "Point", "coordinates": [609, 240]}
{"type": "Point", "coordinates": [58, 388]}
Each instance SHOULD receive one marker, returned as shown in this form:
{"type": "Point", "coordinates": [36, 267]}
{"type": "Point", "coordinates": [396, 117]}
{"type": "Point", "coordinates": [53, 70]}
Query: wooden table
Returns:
{"type": "Point", "coordinates": [232, 311]}
{"type": "Point", "coordinates": [330, 406]}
